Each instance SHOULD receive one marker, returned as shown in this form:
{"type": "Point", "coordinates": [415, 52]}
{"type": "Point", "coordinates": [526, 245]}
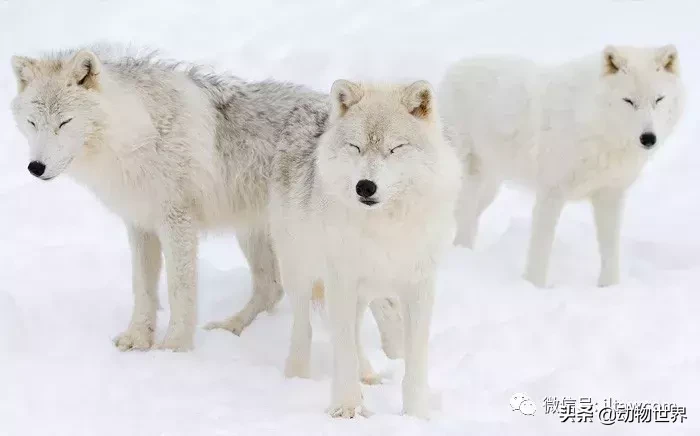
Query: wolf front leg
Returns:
{"type": "Point", "coordinates": [256, 245]}
{"type": "Point", "coordinates": [417, 304]}
{"type": "Point", "coordinates": [346, 394]}
{"type": "Point", "coordinates": [545, 216]}
{"type": "Point", "coordinates": [179, 239]}
{"type": "Point", "coordinates": [297, 285]}
{"type": "Point", "coordinates": [145, 265]}
{"type": "Point", "coordinates": [607, 209]}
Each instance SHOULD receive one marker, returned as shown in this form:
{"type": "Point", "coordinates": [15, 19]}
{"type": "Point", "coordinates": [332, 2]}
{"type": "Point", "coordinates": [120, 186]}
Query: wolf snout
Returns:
{"type": "Point", "coordinates": [648, 139]}
{"type": "Point", "coordinates": [36, 168]}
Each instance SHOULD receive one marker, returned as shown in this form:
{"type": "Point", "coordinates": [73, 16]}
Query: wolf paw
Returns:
{"type": "Point", "coordinates": [416, 403]}
{"type": "Point", "coordinates": [348, 412]}
{"type": "Point", "coordinates": [235, 324]}
{"type": "Point", "coordinates": [174, 345]}
{"type": "Point", "coordinates": [607, 280]}
{"type": "Point", "coordinates": [179, 341]}
{"type": "Point", "coordinates": [537, 280]}
{"type": "Point", "coordinates": [465, 240]}
{"type": "Point", "coordinates": [371, 378]}
{"type": "Point", "coordinates": [297, 368]}
{"type": "Point", "coordinates": [419, 409]}
{"type": "Point", "coordinates": [138, 338]}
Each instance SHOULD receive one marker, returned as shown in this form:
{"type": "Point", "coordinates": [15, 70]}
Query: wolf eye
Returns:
{"type": "Point", "coordinates": [397, 147]}
{"type": "Point", "coordinates": [658, 100]}
{"type": "Point", "coordinates": [65, 122]}
{"type": "Point", "coordinates": [32, 123]}
{"type": "Point", "coordinates": [628, 101]}
{"type": "Point", "coordinates": [356, 147]}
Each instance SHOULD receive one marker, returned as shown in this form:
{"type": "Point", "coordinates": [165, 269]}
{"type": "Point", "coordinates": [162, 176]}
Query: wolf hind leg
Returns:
{"type": "Point", "coordinates": [387, 314]}
{"type": "Point", "coordinates": [478, 192]}
{"type": "Point", "coordinates": [256, 245]}
{"type": "Point", "coordinates": [367, 374]}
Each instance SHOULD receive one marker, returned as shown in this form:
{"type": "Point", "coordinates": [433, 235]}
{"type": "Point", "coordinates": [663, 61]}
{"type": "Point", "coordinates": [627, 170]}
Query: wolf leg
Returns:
{"type": "Point", "coordinates": [146, 264]}
{"type": "Point", "coordinates": [179, 239]}
{"type": "Point", "coordinates": [387, 314]}
{"type": "Point", "coordinates": [367, 374]}
{"type": "Point", "coordinates": [256, 245]}
{"type": "Point", "coordinates": [545, 217]}
{"type": "Point", "coordinates": [478, 192]}
{"type": "Point", "coordinates": [298, 361]}
{"type": "Point", "coordinates": [607, 210]}
{"type": "Point", "coordinates": [417, 307]}
{"type": "Point", "coordinates": [346, 394]}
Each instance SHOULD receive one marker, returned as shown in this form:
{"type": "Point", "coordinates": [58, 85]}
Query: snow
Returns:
{"type": "Point", "coordinates": [65, 275]}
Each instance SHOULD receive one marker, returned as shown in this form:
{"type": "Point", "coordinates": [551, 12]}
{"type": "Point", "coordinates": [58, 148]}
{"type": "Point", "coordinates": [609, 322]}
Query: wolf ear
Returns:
{"type": "Point", "coordinates": [613, 61]}
{"type": "Point", "coordinates": [418, 98]}
{"type": "Point", "coordinates": [344, 94]}
{"type": "Point", "coordinates": [24, 69]}
{"type": "Point", "coordinates": [667, 59]}
{"type": "Point", "coordinates": [84, 69]}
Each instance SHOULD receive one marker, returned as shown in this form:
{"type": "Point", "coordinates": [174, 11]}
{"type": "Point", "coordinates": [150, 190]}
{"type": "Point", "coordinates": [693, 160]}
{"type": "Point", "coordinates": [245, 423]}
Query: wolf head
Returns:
{"type": "Point", "coordinates": [642, 93]}
{"type": "Point", "coordinates": [384, 145]}
{"type": "Point", "coordinates": [56, 108]}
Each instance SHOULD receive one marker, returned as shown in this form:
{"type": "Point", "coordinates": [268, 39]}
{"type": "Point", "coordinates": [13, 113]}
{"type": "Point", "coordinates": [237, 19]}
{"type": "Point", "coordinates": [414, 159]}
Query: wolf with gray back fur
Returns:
{"type": "Point", "coordinates": [368, 210]}
{"type": "Point", "coordinates": [171, 149]}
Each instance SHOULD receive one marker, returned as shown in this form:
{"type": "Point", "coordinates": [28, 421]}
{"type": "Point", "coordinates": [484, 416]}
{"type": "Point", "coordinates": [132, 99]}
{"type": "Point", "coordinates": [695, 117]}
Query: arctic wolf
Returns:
{"type": "Point", "coordinates": [367, 210]}
{"type": "Point", "coordinates": [172, 151]}
{"type": "Point", "coordinates": [581, 130]}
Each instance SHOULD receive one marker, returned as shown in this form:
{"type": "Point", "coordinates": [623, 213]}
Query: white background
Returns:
{"type": "Point", "coordinates": [65, 272]}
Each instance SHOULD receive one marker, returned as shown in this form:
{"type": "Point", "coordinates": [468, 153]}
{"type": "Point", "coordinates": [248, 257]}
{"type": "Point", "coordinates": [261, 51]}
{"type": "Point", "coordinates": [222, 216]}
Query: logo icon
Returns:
{"type": "Point", "coordinates": [523, 403]}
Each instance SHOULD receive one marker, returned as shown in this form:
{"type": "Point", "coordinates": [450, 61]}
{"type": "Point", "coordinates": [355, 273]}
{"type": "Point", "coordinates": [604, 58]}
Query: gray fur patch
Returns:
{"type": "Point", "coordinates": [253, 121]}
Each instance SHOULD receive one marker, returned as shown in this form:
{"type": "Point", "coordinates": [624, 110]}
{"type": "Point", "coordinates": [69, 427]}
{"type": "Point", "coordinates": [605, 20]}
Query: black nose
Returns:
{"type": "Point", "coordinates": [647, 139]}
{"type": "Point", "coordinates": [36, 168]}
{"type": "Point", "coordinates": [365, 188]}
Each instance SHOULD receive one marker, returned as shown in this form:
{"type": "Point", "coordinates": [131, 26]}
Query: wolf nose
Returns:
{"type": "Point", "coordinates": [647, 139]}
{"type": "Point", "coordinates": [36, 168]}
{"type": "Point", "coordinates": [365, 188]}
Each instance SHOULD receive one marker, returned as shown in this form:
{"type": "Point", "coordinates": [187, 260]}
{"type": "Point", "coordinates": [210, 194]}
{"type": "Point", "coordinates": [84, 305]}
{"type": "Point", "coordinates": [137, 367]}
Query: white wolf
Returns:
{"type": "Point", "coordinates": [368, 210]}
{"type": "Point", "coordinates": [579, 130]}
{"type": "Point", "coordinates": [172, 151]}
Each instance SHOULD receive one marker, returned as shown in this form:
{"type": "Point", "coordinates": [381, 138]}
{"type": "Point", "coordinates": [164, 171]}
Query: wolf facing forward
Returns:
{"type": "Point", "coordinates": [368, 209]}
{"type": "Point", "coordinates": [173, 150]}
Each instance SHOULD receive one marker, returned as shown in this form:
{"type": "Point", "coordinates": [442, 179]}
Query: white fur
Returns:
{"type": "Point", "coordinates": [173, 150]}
{"type": "Point", "coordinates": [148, 139]}
{"type": "Point", "coordinates": [322, 231]}
{"type": "Point", "coordinates": [565, 131]}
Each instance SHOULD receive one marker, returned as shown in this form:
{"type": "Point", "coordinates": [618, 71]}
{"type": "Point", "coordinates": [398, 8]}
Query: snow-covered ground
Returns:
{"type": "Point", "coordinates": [65, 272]}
